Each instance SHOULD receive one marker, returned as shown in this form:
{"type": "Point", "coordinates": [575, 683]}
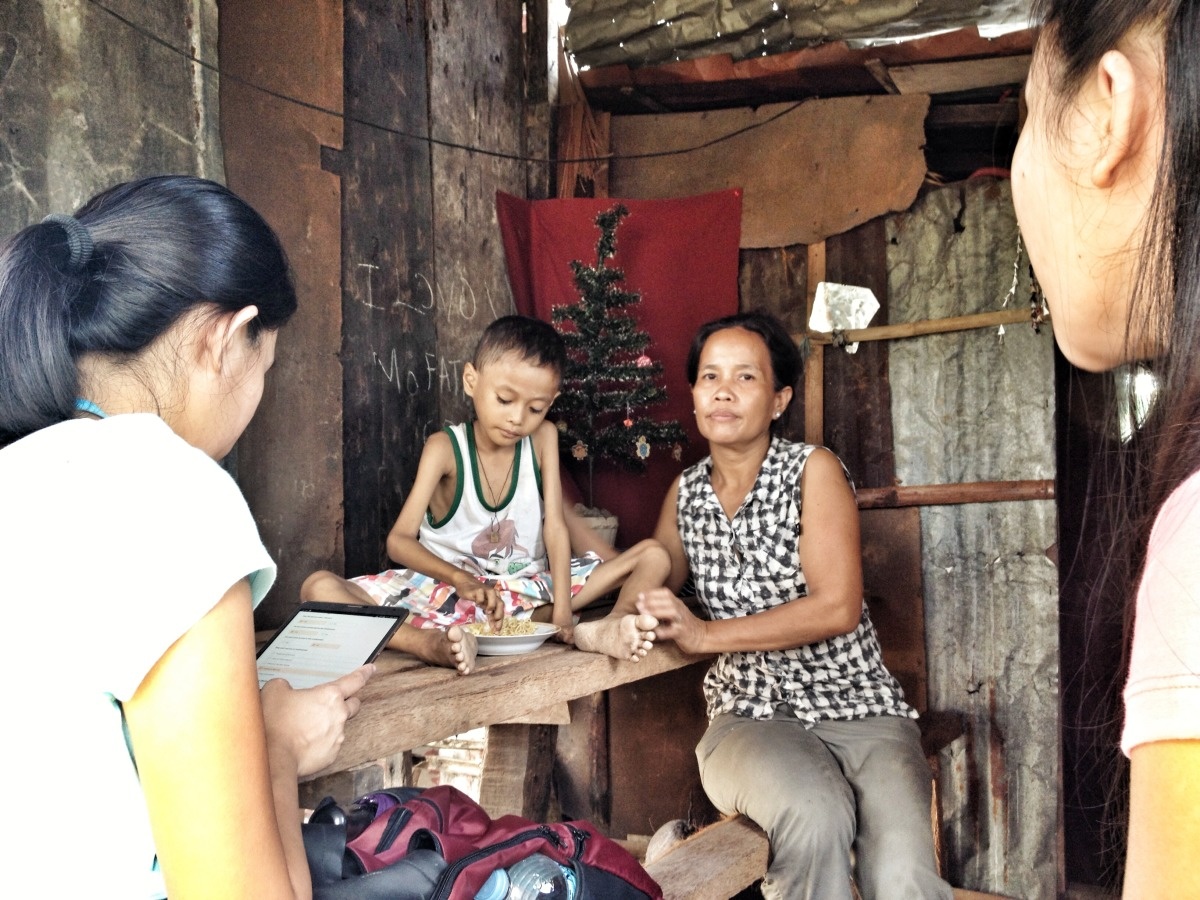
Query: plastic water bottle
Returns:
{"type": "Point", "coordinates": [537, 877]}
{"type": "Point", "coordinates": [495, 888]}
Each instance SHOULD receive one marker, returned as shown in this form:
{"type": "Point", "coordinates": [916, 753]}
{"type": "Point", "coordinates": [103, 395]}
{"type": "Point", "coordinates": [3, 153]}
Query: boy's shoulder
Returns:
{"type": "Point", "coordinates": [441, 445]}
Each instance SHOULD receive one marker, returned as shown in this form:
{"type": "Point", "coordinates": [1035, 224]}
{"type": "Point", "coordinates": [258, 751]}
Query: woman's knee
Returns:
{"type": "Point", "coordinates": [803, 801]}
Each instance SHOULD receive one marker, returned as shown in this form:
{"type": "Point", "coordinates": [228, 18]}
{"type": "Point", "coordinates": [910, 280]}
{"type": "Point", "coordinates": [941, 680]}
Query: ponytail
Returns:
{"type": "Point", "coordinates": [118, 274]}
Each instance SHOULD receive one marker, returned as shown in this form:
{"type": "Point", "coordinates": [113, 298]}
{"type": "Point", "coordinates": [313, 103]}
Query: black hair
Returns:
{"type": "Point", "coordinates": [534, 340]}
{"type": "Point", "coordinates": [159, 247]}
{"type": "Point", "coordinates": [1164, 311]}
{"type": "Point", "coordinates": [786, 363]}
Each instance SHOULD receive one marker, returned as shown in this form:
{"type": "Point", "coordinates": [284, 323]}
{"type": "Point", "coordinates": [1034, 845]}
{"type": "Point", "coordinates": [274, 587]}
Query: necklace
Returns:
{"type": "Point", "coordinates": [494, 529]}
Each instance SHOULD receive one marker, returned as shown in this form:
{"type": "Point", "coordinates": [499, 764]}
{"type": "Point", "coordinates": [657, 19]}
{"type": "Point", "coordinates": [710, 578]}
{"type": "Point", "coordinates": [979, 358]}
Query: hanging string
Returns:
{"type": "Point", "coordinates": [437, 142]}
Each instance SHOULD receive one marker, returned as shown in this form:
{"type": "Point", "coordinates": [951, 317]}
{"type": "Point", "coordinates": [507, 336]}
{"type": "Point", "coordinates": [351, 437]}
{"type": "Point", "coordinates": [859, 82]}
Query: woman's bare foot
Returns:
{"type": "Point", "coordinates": [454, 648]}
{"type": "Point", "coordinates": [627, 637]}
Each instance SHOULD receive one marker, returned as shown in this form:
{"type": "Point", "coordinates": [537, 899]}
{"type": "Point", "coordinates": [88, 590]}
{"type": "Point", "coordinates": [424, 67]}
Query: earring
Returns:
{"type": "Point", "coordinates": [777, 415]}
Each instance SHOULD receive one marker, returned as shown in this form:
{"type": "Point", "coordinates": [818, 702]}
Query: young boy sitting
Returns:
{"type": "Point", "coordinates": [482, 533]}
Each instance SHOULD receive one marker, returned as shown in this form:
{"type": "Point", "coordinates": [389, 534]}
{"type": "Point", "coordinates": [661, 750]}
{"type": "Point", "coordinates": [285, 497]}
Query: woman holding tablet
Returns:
{"type": "Point", "coordinates": [135, 337]}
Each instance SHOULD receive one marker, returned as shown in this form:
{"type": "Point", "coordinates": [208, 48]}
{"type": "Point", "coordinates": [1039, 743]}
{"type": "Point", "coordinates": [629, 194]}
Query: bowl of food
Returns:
{"type": "Point", "coordinates": [515, 636]}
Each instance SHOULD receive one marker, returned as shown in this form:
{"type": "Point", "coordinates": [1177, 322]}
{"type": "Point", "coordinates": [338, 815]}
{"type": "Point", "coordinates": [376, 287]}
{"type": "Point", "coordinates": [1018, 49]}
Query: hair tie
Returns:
{"type": "Point", "coordinates": [79, 241]}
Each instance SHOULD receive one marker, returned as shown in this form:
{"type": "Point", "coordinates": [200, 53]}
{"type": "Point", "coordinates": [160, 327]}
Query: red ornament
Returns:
{"type": "Point", "coordinates": [643, 361]}
{"type": "Point", "coordinates": [629, 423]}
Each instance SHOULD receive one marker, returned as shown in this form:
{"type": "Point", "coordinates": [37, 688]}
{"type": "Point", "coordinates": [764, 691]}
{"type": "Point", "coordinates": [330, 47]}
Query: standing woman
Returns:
{"type": "Point", "coordinates": [1106, 182]}
{"type": "Point", "coordinates": [809, 734]}
{"type": "Point", "coordinates": [135, 337]}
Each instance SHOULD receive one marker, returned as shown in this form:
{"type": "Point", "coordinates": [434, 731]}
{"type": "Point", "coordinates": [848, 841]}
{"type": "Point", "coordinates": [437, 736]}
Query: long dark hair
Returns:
{"type": "Point", "coordinates": [1166, 308]}
{"type": "Point", "coordinates": [152, 250]}
{"type": "Point", "coordinates": [1164, 312]}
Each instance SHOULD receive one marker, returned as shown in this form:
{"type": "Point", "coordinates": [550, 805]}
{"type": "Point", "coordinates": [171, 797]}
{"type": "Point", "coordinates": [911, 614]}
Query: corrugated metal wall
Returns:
{"type": "Point", "coordinates": [979, 406]}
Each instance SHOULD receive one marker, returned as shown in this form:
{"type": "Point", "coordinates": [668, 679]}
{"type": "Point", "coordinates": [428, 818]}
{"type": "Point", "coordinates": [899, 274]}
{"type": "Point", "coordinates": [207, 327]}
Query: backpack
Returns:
{"type": "Point", "coordinates": [438, 844]}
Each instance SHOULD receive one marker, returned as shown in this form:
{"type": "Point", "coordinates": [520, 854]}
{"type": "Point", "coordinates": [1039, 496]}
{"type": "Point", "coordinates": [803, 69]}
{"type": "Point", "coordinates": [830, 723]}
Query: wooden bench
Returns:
{"type": "Point", "coordinates": [725, 858]}
{"type": "Point", "coordinates": [409, 704]}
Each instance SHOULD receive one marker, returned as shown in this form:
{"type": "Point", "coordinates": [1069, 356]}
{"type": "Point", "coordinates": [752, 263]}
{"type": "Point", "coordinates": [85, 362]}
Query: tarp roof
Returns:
{"type": "Point", "coordinates": [648, 32]}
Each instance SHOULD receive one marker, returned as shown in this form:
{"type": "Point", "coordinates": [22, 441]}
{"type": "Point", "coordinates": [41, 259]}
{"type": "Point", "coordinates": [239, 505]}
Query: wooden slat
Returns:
{"type": "Point", "coordinates": [926, 326]}
{"type": "Point", "coordinates": [960, 75]}
{"type": "Point", "coordinates": [408, 704]}
{"type": "Point", "coordinates": [952, 494]}
{"type": "Point", "coordinates": [814, 366]}
{"type": "Point", "coordinates": [715, 863]}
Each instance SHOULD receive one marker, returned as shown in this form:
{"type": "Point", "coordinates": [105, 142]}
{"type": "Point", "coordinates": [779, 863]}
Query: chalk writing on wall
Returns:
{"type": "Point", "coordinates": [461, 300]}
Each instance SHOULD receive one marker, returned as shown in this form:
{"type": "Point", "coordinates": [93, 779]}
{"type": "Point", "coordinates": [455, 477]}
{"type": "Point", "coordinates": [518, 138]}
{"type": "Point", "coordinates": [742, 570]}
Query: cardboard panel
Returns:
{"type": "Point", "coordinates": [809, 170]}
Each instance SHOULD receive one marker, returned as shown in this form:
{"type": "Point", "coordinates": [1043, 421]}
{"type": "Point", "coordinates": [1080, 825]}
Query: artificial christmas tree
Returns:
{"type": "Point", "coordinates": [610, 381]}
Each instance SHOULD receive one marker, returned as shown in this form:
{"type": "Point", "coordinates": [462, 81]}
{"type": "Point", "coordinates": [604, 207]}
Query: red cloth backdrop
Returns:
{"type": "Point", "coordinates": [681, 255]}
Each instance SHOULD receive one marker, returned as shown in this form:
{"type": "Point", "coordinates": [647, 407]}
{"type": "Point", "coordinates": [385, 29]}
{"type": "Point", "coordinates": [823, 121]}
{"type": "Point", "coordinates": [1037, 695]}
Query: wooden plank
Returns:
{"type": "Point", "coordinates": [960, 75]}
{"type": "Point", "coordinates": [516, 771]}
{"type": "Point", "coordinates": [775, 280]}
{"type": "Point", "coordinates": [891, 566]}
{"type": "Point", "coordinates": [808, 171]}
{"type": "Point", "coordinates": [858, 395]}
{"type": "Point", "coordinates": [387, 232]}
{"type": "Point", "coordinates": [273, 158]}
{"type": "Point", "coordinates": [953, 494]}
{"type": "Point", "coordinates": [715, 863]}
{"type": "Point", "coordinates": [926, 326]}
{"type": "Point", "coordinates": [655, 725]}
{"type": "Point", "coordinates": [476, 99]}
{"type": "Point", "coordinates": [555, 714]}
{"type": "Point", "coordinates": [582, 784]}
{"type": "Point", "coordinates": [814, 366]}
{"type": "Point", "coordinates": [408, 704]}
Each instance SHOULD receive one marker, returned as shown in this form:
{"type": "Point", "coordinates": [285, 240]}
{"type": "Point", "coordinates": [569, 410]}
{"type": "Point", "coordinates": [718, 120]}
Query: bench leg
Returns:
{"type": "Point", "coordinates": [517, 770]}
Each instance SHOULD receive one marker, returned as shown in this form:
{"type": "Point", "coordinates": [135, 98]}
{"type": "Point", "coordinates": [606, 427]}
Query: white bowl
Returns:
{"type": "Point", "coordinates": [513, 644]}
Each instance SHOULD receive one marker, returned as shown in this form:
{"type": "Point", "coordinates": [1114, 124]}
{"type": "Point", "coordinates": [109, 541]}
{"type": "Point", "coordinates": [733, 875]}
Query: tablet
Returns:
{"type": "Point", "coordinates": [324, 641]}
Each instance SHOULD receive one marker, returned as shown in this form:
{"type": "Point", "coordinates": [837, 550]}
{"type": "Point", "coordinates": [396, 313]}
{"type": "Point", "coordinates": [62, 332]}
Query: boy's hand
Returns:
{"type": "Point", "coordinates": [565, 620]}
{"type": "Point", "coordinates": [482, 595]}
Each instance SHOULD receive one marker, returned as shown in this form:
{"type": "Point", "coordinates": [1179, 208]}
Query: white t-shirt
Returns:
{"type": "Point", "coordinates": [1162, 695]}
{"type": "Point", "coordinates": [116, 537]}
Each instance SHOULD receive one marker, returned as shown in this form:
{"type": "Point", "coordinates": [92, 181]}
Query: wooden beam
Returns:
{"type": "Point", "coordinates": [1014, 316]}
{"type": "Point", "coordinates": [973, 115]}
{"type": "Point", "coordinates": [953, 494]}
{"type": "Point", "coordinates": [960, 75]}
{"type": "Point", "coordinates": [516, 771]}
{"type": "Point", "coordinates": [814, 366]}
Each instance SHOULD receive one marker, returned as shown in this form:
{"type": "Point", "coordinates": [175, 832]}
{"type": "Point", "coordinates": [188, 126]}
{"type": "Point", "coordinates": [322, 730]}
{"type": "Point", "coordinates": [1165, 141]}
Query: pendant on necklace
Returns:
{"type": "Point", "coordinates": [494, 532]}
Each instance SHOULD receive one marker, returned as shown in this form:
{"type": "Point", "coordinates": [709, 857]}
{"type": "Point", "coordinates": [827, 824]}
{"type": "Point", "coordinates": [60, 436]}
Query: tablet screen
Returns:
{"type": "Point", "coordinates": [324, 641]}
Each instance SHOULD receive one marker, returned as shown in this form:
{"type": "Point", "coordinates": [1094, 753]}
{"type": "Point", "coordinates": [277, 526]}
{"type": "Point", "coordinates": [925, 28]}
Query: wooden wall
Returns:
{"type": "Point", "coordinates": [88, 100]}
{"type": "Point", "coordinates": [389, 215]}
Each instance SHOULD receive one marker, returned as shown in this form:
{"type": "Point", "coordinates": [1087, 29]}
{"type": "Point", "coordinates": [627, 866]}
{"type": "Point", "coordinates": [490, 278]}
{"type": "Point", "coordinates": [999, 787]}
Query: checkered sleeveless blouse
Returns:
{"type": "Point", "coordinates": [751, 563]}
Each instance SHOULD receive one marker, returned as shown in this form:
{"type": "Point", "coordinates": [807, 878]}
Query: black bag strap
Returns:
{"type": "Point", "coordinates": [411, 878]}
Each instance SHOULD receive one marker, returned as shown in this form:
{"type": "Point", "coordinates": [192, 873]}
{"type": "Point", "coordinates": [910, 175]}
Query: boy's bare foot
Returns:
{"type": "Point", "coordinates": [454, 648]}
{"type": "Point", "coordinates": [628, 637]}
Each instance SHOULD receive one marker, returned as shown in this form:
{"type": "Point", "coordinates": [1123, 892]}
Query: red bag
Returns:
{"type": "Point", "coordinates": [447, 822]}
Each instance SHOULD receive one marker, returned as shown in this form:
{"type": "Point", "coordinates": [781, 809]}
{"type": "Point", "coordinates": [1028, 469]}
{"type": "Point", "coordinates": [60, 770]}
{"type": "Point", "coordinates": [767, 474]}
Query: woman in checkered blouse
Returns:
{"type": "Point", "coordinates": [809, 734]}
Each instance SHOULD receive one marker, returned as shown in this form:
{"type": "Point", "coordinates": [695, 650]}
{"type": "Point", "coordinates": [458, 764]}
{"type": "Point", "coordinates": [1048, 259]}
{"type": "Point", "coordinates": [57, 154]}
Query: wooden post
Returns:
{"type": "Point", "coordinates": [814, 366]}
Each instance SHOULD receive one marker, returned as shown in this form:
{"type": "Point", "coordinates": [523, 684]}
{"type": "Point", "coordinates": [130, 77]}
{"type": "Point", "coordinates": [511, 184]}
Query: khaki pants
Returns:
{"type": "Point", "coordinates": [818, 793]}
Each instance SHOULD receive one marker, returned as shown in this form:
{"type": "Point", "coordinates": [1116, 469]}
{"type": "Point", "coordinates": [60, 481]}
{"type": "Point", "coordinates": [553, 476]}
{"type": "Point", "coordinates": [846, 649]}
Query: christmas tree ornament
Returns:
{"type": "Point", "coordinates": [677, 452]}
{"type": "Point", "coordinates": [610, 382]}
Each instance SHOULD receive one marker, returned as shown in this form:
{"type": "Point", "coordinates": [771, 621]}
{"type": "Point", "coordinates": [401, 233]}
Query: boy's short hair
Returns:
{"type": "Point", "coordinates": [534, 340]}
